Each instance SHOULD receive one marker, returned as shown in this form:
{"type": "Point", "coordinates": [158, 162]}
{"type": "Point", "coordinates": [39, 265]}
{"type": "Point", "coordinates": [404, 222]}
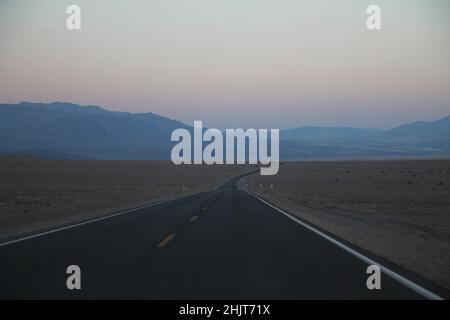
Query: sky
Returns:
{"type": "Point", "coordinates": [233, 63]}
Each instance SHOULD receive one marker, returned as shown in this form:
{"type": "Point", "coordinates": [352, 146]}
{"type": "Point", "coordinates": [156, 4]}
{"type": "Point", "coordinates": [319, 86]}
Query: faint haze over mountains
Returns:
{"type": "Point", "coordinates": [69, 131]}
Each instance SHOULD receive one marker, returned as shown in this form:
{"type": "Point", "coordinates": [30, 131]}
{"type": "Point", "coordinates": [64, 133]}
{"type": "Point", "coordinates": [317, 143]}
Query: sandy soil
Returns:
{"type": "Point", "coordinates": [35, 193]}
{"type": "Point", "coordinates": [399, 210]}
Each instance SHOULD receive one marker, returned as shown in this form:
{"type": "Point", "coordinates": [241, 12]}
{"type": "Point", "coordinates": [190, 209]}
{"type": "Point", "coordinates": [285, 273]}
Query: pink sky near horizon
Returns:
{"type": "Point", "coordinates": [246, 63]}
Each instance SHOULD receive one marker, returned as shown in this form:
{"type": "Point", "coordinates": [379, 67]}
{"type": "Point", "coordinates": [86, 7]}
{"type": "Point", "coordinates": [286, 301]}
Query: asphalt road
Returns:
{"type": "Point", "coordinates": [223, 244]}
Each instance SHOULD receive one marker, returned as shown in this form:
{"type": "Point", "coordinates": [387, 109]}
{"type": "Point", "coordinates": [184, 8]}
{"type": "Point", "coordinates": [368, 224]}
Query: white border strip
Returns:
{"type": "Point", "coordinates": [394, 275]}
{"type": "Point", "coordinates": [93, 220]}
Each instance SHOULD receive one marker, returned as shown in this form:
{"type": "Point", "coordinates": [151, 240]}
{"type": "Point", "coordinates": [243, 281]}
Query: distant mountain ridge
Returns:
{"type": "Point", "coordinates": [418, 139]}
{"type": "Point", "coordinates": [62, 130]}
{"type": "Point", "coordinates": [420, 131]}
{"type": "Point", "coordinates": [417, 132]}
{"type": "Point", "coordinates": [88, 132]}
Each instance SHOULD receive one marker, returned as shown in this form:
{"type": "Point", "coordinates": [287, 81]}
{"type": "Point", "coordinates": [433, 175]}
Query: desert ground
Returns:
{"type": "Point", "coordinates": [398, 210]}
{"type": "Point", "coordinates": [36, 194]}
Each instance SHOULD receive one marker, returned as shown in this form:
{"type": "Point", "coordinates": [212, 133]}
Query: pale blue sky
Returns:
{"type": "Point", "coordinates": [233, 63]}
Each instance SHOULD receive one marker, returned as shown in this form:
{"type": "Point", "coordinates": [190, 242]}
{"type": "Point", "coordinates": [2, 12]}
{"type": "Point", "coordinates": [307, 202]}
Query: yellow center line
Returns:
{"type": "Point", "coordinates": [164, 243]}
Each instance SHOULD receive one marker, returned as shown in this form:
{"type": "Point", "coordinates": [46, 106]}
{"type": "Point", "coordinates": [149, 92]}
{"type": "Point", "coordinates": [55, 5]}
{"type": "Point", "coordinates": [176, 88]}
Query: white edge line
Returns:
{"type": "Point", "coordinates": [39, 234]}
{"type": "Point", "coordinates": [394, 275]}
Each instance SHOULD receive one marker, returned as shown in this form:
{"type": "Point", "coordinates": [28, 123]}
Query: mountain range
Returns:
{"type": "Point", "coordinates": [69, 131]}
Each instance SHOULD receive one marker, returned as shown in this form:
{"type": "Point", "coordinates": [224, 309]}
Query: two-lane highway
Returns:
{"type": "Point", "coordinates": [222, 244]}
